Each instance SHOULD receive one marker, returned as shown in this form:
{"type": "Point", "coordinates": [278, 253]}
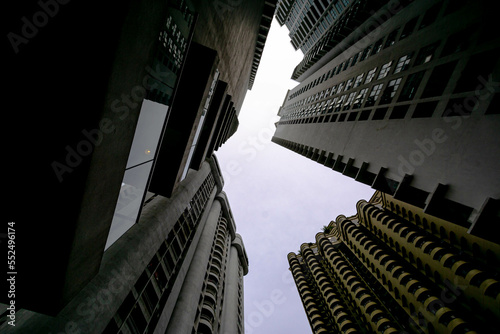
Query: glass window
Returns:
{"type": "Point", "coordinates": [426, 53]}
{"type": "Point", "coordinates": [430, 16]}
{"type": "Point", "coordinates": [359, 80]}
{"type": "Point", "coordinates": [384, 70]}
{"type": "Point", "coordinates": [408, 28]}
{"type": "Point", "coordinates": [347, 105]}
{"type": "Point", "coordinates": [366, 51]}
{"type": "Point", "coordinates": [390, 91]}
{"type": "Point", "coordinates": [403, 63]}
{"type": "Point", "coordinates": [338, 106]}
{"type": "Point", "coordinates": [411, 85]}
{"type": "Point", "coordinates": [391, 39]}
{"type": "Point", "coordinates": [358, 101]}
{"type": "Point", "coordinates": [374, 94]}
{"type": "Point", "coordinates": [348, 84]}
{"type": "Point", "coordinates": [377, 47]}
{"type": "Point", "coordinates": [370, 75]}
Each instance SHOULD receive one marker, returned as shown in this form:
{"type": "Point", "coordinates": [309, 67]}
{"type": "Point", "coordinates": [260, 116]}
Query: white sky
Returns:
{"type": "Point", "coordinates": [279, 198]}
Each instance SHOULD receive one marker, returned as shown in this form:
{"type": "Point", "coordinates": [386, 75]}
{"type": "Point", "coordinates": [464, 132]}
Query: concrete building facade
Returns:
{"type": "Point", "coordinates": [401, 96]}
{"type": "Point", "coordinates": [127, 103]}
{"type": "Point", "coordinates": [392, 268]}
{"type": "Point", "coordinates": [179, 270]}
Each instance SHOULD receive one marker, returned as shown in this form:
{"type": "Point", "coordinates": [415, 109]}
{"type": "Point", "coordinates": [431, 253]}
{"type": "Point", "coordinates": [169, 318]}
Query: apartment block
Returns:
{"type": "Point", "coordinates": [401, 96]}
{"type": "Point", "coordinates": [392, 268]}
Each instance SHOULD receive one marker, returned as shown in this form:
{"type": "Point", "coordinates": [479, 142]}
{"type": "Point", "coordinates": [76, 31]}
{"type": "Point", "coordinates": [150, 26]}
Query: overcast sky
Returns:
{"type": "Point", "coordinates": [279, 198]}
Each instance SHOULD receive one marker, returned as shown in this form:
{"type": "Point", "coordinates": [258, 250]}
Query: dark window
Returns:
{"type": "Point", "coordinates": [366, 51]}
{"type": "Point", "coordinates": [352, 116]}
{"type": "Point", "coordinates": [391, 39]}
{"type": "Point", "coordinates": [456, 43]}
{"type": "Point", "coordinates": [377, 47]}
{"type": "Point", "coordinates": [379, 113]}
{"type": "Point", "coordinates": [399, 112]}
{"type": "Point", "coordinates": [430, 16]}
{"type": "Point", "coordinates": [479, 66]}
{"type": "Point", "coordinates": [411, 85]}
{"type": "Point", "coordinates": [439, 79]}
{"type": "Point", "coordinates": [425, 109]}
{"type": "Point", "coordinates": [426, 53]}
{"type": "Point", "coordinates": [408, 28]}
{"type": "Point", "coordinates": [365, 114]}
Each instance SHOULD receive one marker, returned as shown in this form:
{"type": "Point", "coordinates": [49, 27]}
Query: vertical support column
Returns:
{"type": "Point", "coordinates": [230, 316]}
{"type": "Point", "coordinates": [185, 308]}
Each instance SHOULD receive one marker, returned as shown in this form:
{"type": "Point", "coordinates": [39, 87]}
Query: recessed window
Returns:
{"type": "Point", "coordinates": [408, 28]}
{"type": "Point", "coordinates": [425, 109]}
{"type": "Point", "coordinates": [403, 63]}
{"type": "Point", "coordinates": [439, 79]}
{"type": "Point", "coordinates": [426, 53]}
{"type": "Point", "coordinates": [390, 91]}
{"type": "Point", "coordinates": [399, 112]}
{"type": "Point", "coordinates": [359, 80]}
{"type": "Point", "coordinates": [384, 70]}
{"type": "Point", "coordinates": [374, 94]}
{"type": "Point", "coordinates": [391, 38]}
{"type": "Point", "coordinates": [380, 113]}
{"type": "Point", "coordinates": [411, 85]}
{"type": "Point", "coordinates": [358, 101]}
{"type": "Point", "coordinates": [348, 84]}
{"type": "Point", "coordinates": [370, 75]}
{"type": "Point", "coordinates": [430, 16]}
{"type": "Point", "coordinates": [377, 47]}
{"type": "Point", "coordinates": [366, 51]}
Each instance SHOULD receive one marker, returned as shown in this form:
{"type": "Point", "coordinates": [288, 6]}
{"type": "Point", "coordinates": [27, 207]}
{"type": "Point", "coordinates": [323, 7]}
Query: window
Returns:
{"type": "Point", "coordinates": [425, 109]}
{"type": "Point", "coordinates": [374, 94]}
{"type": "Point", "coordinates": [370, 75]}
{"type": "Point", "coordinates": [430, 16]}
{"type": "Point", "coordinates": [479, 65]}
{"type": "Point", "coordinates": [391, 39]}
{"type": "Point", "coordinates": [366, 51]}
{"type": "Point", "coordinates": [377, 47]}
{"type": "Point", "coordinates": [426, 53]}
{"type": "Point", "coordinates": [399, 112]}
{"type": "Point", "coordinates": [408, 28]}
{"type": "Point", "coordinates": [338, 106]}
{"type": "Point", "coordinates": [348, 84]}
{"type": "Point", "coordinates": [359, 80]}
{"type": "Point", "coordinates": [403, 63]}
{"type": "Point", "coordinates": [411, 85]}
{"type": "Point", "coordinates": [384, 70]}
{"type": "Point", "coordinates": [456, 43]}
{"type": "Point", "coordinates": [439, 79]}
{"type": "Point", "coordinates": [359, 99]}
{"type": "Point", "coordinates": [347, 105]}
{"type": "Point", "coordinates": [390, 91]}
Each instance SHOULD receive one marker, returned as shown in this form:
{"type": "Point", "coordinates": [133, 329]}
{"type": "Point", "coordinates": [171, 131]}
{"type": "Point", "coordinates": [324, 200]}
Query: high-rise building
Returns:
{"type": "Point", "coordinates": [392, 268]}
{"type": "Point", "coordinates": [117, 217]}
{"type": "Point", "coordinates": [402, 96]}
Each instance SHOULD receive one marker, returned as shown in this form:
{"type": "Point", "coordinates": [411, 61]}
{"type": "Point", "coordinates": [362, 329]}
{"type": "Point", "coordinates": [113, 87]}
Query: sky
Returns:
{"type": "Point", "coordinates": [279, 199]}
